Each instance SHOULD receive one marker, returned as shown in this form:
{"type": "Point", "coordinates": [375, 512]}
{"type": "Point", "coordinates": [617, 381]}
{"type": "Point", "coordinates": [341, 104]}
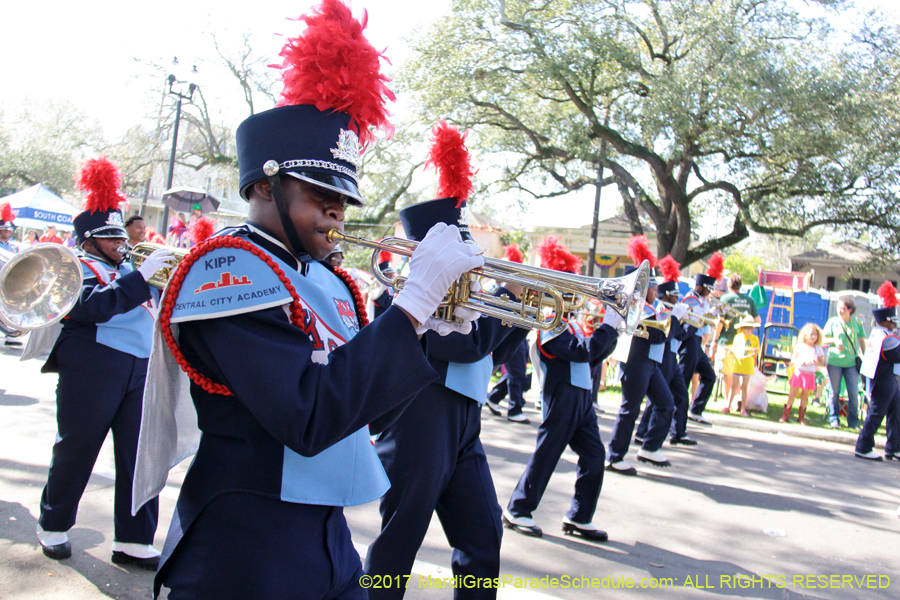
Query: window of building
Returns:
{"type": "Point", "coordinates": [854, 284]}
{"type": "Point", "coordinates": [829, 284]}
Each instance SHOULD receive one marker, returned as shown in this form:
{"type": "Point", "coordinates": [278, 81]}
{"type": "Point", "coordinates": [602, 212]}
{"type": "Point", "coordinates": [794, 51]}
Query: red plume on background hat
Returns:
{"type": "Point", "coordinates": [201, 230]}
{"type": "Point", "coordinates": [99, 179]}
{"type": "Point", "coordinates": [556, 256]}
{"type": "Point", "coordinates": [715, 266]}
{"type": "Point", "coordinates": [450, 157]}
{"type": "Point", "coordinates": [6, 215]}
{"type": "Point", "coordinates": [639, 251]}
{"type": "Point", "coordinates": [670, 268]}
{"type": "Point", "coordinates": [333, 67]}
{"type": "Point", "coordinates": [888, 294]}
{"type": "Point", "coordinates": [513, 254]}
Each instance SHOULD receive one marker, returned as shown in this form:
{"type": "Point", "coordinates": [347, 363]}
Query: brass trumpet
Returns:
{"type": "Point", "coordinates": [645, 325]}
{"type": "Point", "coordinates": [144, 249]}
{"type": "Point", "coordinates": [625, 295]}
{"type": "Point", "coordinates": [693, 319]}
{"type": "Point", "coordinates": [728, 311]}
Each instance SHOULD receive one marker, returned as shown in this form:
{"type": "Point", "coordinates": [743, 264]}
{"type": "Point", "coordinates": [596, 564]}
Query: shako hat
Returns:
{"type": "Point", "coordinates": [888, 294]}
{"type": "Point", "coordinates": [671, 271]}
{"type": "Point", "coordinates": [99, 179]}
{"type": "Point", "coordinates": [334, 97]}
{"type": "Point", "coordinates": [450, 157]}
{"type": "Point", "coordinates": [639, 250]}
{"type": "Point", "coordinates": [6, 217]}
{"type": "Point", "coordinates": [556, 256]}
{"type": "Point", "coordinates": [714, 270]}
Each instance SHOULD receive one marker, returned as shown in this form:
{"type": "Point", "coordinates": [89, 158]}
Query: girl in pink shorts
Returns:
{"type": "Point", "coordinates": [808, 356]}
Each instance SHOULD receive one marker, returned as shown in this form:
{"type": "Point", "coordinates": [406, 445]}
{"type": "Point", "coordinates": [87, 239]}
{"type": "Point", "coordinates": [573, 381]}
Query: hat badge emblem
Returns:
{"type": "Point", "coordinates": [115, 219]}
{"type": "Point", "coordinates": [348, 148]}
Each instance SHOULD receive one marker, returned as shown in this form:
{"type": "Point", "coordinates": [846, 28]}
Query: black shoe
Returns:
{"type": "Point", "coordinates": [621, 467]}
{"type": "Point", "coordinates": [493, 407]}
{"type": "Point", "coordinates": [519, 418]}
{"type": "Point", "coordinates": [891, 456]}
{"type": "Point", "coordinates": [682, 441]}
{"type": "Point", "coordinates": [149, 564]}
{"type": "Point", "coordinates": [595, 535]}
{"type": "Point", "coordinates": [529, 530]}
{"type": "Point", "coordinates": [58, 552]}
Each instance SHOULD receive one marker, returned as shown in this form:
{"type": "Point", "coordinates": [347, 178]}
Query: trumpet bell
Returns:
{"type": "Point", "coordinates": [38, 286]}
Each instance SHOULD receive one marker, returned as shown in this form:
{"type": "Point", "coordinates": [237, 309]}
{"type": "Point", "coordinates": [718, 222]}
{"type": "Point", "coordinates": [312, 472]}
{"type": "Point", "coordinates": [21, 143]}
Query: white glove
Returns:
{"type": "Point", "coordinates": [439, 260]}
{"type": "Point", "coordinates": [679, 311]}
{"type": "Point", "coordinates": [443, 327]}
{"type": "Point", "coordinates": [612, 318]}
{"type": "Point", "coordinates": [160, 259]}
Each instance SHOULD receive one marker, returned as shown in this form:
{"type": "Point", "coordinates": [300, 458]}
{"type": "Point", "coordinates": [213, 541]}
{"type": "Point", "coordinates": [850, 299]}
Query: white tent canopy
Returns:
{"type": "Point", "coordinates": [37, 208]}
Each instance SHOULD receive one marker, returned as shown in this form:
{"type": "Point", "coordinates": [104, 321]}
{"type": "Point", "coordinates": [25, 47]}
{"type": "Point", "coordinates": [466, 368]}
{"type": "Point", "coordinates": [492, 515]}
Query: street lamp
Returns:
{"type": "Point", "coordinates": [192, 87]}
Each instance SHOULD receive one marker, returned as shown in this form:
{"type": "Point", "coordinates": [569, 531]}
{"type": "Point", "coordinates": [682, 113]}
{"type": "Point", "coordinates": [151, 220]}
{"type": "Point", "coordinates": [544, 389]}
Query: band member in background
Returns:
{"type": "Point", "coordinates": [285, 377]}
{"type": "Point", "coordinates": [432, 453]}
{"type": "Point", "coordinates": [691, 356]}
{"type": "Point", "coordinates": [515, 379]}
{"type": "Point", "coordinates": [336, 258]}
{"type": "Point", "coordinates": [641, 376]}
{"type": "Point", "coordinates": [668, 292]}
{"type": "Point", "coordinates": [569, 418]}
{"type": "Point", "coordinates": [136, 230]}
{"type": "Point", "coordinates": [380, 295]}
{"type": "Point", "coordinates": [881, 364]}
{"type": "Point", "coordinates": [101, 356]}
{"type": "Point", "coordinates": [6, 228]}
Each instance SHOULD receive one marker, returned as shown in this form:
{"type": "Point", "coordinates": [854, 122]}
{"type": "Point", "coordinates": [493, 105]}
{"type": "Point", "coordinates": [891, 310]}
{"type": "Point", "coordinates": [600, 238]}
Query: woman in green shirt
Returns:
{"type": "Point", "coordinates": [845, 337]}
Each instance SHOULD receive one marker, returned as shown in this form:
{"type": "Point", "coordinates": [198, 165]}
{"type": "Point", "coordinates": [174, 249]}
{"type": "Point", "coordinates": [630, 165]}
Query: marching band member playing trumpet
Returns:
{"type": "Point", "coordinates": [432, 453]}
{"type": "Point", "coordinates": [678, 332]}
{"type": "Point", "coordinates": [569, 417]}
{"type": "Point", "coordinates": [286, 376]}
{"type": "Point", "coordinates": [691, 356]}
{"type": "Point", "coordinates": [641, 376]}
{"type": "Point", "coordinates": [101, 356]}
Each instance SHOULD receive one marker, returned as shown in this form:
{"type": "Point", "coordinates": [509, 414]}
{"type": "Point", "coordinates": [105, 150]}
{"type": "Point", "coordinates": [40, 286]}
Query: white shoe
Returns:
{"type": "Point", "coordinates": [870, 455]}
{"type": "Point", "coordinates": [136, 550]}
{"type": "Point", "coordinates": [519, 418]}
{"type": "Point", "coordinates": [654, 458]}
{"type": "Point", "coordinates": [523, 525]}
{"type": "Point", "coordinates": [588, 531]}
{"type": "Point", "coordinates": [621, 467]}
{"type": "Point", "coordinates": [699, 418]}
{"type": "Point", "coordinates": [493, 407]}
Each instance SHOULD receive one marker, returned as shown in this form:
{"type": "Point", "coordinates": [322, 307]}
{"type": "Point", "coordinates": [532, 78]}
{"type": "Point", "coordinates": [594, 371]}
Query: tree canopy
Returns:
{"type": "Point", "coordinates": [741, 106]}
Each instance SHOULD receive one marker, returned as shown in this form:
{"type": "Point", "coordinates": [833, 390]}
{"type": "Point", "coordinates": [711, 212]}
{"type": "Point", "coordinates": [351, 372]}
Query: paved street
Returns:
{"type": "Point", "coordinates": [739, 515]}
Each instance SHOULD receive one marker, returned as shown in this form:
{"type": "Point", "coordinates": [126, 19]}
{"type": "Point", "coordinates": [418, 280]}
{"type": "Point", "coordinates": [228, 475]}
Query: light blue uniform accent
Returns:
{"type": "Point", "coordinates": [243, 283]}
{"type": "Point", "coordinates": [890, 343]}
{"type": "Point", "coordinates": [470, 379]}
{"type": "Point", "coordinates": [674, 345]}
{"type": "Point", "coordinates": [9, 247]}
{"type": "Point", "coordinates": [656, 352]}
{"type": "Point", "coordinates": [131, 332]}
{"type": "Point", "coordinates": [580, 374]}
{"type": "Point", "coordinates": [347, 473]}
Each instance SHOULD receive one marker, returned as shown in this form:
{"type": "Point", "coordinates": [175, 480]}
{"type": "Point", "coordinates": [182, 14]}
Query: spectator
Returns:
{"type": "Point", "coordinates": [742, 303]}
{"type": "Point", "coordinates": [808, 356]}
{"type": "Point", "coordinates": [845, 338]}
{"type": "Point", "coordinates": [31, 238]}
{"type": "Point", "coordinates": [50, 236]}
{"type": "Point", "coordinates": [177, 227]}
{"type": "Point", "coordinates": [68, 240]}
{"type": "Point", "coordinates": [136, 230]}
{"type": "Point", "coordinates": [741, 355]}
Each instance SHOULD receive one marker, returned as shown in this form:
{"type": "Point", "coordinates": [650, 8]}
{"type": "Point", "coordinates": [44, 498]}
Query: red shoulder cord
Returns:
{"type": "Point", "coordinates": [94, 271]}
{"type": "Point", "coordinates": [357, 296]}
{"type": "Point", "coordinates": [297, 314]}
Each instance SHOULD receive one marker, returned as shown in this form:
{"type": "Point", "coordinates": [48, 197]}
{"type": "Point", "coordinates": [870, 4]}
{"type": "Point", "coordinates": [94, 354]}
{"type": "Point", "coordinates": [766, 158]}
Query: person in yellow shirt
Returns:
{"type": "Point", "coordinates": [742, 354]}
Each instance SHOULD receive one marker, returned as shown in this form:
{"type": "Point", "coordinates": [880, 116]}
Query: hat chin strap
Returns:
{"type": "Point", "coordinates": [271, 169]}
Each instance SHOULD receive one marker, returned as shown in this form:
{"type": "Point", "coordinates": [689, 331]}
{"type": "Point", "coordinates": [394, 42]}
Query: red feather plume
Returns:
{"type": "Point", "coordinates": [332, 66]}
{"type": "Point", "coordinates": [670, 268]}
{"type": "Point", "coordinates": [202, 229]}
{"type": "Point", "coordinates": [513, 254]}
{"type": "Point", "coordinates": [385, 256]}
{"type": "Point", "coordinates": [639, 251]}
{"type": "Point", "coordinates": [556, 256]}
{"type": "Point", "coordinates": [888, 294]}
{"type": "Point", "coordinates": [6, 212]}
{"type": "Point", "coordinates": [715, 266]}
{"type": "Point", "coordinates": [450, 157]}
{"type": "Point", "coordinates": [154, 237]}
{"type": "Point", "coordinates": [99, 179]}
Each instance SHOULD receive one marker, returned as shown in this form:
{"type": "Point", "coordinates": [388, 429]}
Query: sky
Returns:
{"type": "Point", "coordinates": [95, 53]}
